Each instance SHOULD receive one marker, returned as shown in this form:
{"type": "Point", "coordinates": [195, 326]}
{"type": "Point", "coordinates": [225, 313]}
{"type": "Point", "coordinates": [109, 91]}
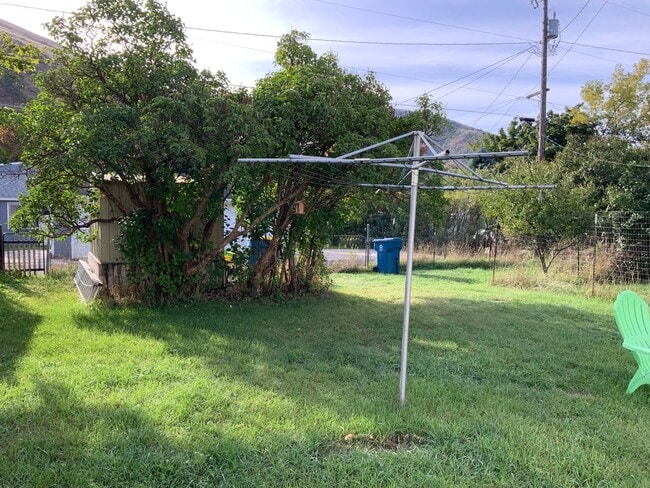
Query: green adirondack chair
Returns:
{"type": "Point", "coordinates": [631, 314]}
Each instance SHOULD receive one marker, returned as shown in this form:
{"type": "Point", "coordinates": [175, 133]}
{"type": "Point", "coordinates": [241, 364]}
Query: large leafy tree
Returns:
{"type": "Point", "coordinates": [124, 104]}
{"type": "Point", "coordinates": [14, 59]}
{"type": "Point", "coordinates": [621, 107]}
{"type": "Point", "coordinates": [615, 159]}
{"type": "Point", "coordinates": [310, 106]}
{"type": "Point", "coordinates": [603, 163]}
{"type": "Point", "coordinates": [616, 162]}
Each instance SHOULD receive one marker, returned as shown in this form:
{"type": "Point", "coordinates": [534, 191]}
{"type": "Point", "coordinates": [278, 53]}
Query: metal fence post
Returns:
{"type": "Point", "coordinates": [367, 257]}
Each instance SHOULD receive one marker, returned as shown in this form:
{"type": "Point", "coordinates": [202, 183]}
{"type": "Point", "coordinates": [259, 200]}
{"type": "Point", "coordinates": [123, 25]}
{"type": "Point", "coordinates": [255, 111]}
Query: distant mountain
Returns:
{"type": "Point", "coordinates": [456, 138]}
{"type": "Point", "coordinates": [459, 137]}
{"type": "Point", "coordinates": [18, 89]}
{"type": "Point", "coordinates": [23, 36]}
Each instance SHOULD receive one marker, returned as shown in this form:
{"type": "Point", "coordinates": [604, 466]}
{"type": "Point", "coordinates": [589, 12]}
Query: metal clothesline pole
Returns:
{"type": "Point", "coordinates": [414, 163]}
{"type": "Point", "coordinates": [409, 272]}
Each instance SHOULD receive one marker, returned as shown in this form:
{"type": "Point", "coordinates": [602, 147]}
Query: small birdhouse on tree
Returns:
{"type": "Point", "coordinates": [299, 207]}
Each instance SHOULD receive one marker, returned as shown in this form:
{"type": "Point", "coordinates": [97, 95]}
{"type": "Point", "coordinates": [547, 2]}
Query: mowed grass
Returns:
{"type": "Point", "coordinates": [506, 387]}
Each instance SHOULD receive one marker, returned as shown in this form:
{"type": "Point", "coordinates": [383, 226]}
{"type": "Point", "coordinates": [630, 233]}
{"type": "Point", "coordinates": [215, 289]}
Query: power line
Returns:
{"type": "Point", "coordinates": [35, 8]}
{"type": "Point", "coordinates": [370, 70]}
{"type": "Point", "coordinates": [460, 110]}
{"type": "Point", "coordinates": [408, 44]}
{"type": "Point", "coordinates": [353, 41]}
{"type": "Point", "coordinates": [380, 43]}
{"type": "Point", "coordinates": [430, 82]}
{"type": "Point", "coordinates": [233, 45]}
{"type": "Point", "coordinates": [416, 19]}
{"type": "Point", "coordinates": [624, 51]}
{"type": "Point", "coordinates": [494, 126]}
{"type": "Point", "coordinates": [576, 15]}
{"type": "Point", "coordinates": [579, 36]}
{"type": "Point", "coordinates": [613, 61]}
{"type": "Point", "coordinates": [630, 9]}
{"type": "Point", "coordinates": [493, 66]}
{"type": "Point", "coordinates": [505, 87]}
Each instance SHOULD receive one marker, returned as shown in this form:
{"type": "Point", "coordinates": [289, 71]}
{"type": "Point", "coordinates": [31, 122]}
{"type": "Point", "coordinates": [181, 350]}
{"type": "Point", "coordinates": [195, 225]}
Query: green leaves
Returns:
{"type": "Point", "coordinates": [124, 112]}
{"type": "Point", "coordinates": [293, 51]}
{"type": "Point", "coordinates": [548, 220]}
{"type": "Point", "coordinates": [621, 108]}
{"type": "Point", "coordinates": [16, 57]}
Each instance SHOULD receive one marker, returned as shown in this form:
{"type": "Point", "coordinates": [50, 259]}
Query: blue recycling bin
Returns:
{"type": "Point", "coordinates": [388, 254]}
{"type": "Point", "coordinates": [257, 249]}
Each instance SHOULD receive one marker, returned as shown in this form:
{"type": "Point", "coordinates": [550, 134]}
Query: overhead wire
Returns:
{"type": "Point", "coordinates": [465, 86]}
{"type": "Point", "coordinates": [613, 61]}
{"type": "Point", "coordinates": [630, 9]}
{"type": "Point", "coordinates": [399, 43]}
{"type": "Point", "coordinates": [576, 15]}
{"type": "Point", "coordinates": [34, 8]}
{"type": "Point", "coordinates": [567, 50]}
{"type": "Point", "coordinates": [505, 87]}
{"type": "Point", "coordinates": [356, 41]}
{"type": "Point", "coordinates": [421, 20]}
{"type": "Point", "coordinates": [579, 36]}
{"type": "Point", "coordinates": [482, 90]}
{"type": "Point", "coordinates": [518, 40]}
{"type": "Point", "coordinates": [512, 105]}
{"type": "Point", "coordinates": [494, 66]}
{"type": "Point", "coordinates": [612, 49]}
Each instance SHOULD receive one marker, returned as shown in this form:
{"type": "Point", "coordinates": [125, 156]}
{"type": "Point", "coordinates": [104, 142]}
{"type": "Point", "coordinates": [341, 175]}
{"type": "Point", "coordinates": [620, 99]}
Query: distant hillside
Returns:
{"type": "Point", "coordinates": [23, 36]}
{"type": "Point", "coordinates": [458, 138]}
{"type": "Point", "coordinates": [15, 89]}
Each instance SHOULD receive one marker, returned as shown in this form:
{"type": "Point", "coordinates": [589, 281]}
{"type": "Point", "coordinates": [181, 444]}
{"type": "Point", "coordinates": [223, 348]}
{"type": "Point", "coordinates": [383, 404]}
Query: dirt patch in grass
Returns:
{"type": "Point", "coordinates": [390, 442]}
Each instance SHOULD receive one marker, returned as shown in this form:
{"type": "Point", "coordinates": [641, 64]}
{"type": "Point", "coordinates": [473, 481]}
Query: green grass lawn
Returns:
{"type": "Point", "coordinates": [506, 387]}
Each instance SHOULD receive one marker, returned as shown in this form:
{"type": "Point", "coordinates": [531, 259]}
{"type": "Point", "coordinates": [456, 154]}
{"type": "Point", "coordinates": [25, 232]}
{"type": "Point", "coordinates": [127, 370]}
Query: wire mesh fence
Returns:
{"type": "Point", "coordinates": [622, 247]}
{"type": "Point", "coordinates": [614, 247]}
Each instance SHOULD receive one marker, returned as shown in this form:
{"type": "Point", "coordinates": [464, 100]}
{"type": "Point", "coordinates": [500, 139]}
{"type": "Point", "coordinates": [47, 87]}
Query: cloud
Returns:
{"type": "Point", "coordinates": [410, 71]}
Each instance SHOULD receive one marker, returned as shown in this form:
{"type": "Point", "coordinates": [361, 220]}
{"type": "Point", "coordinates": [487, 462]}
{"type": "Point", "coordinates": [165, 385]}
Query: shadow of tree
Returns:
{"type": "Point", "coordinates": [62, 441]}
{"type": "Point", "coordinates": [17, 325]}
{"type": "Point", "coordinates": [356, 345]}
{"type": "Point", "coordinates": [476, 367]}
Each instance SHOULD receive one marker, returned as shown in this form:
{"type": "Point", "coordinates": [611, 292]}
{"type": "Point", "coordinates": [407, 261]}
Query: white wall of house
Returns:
{"type": "Point", "coordinates": [230, 217]}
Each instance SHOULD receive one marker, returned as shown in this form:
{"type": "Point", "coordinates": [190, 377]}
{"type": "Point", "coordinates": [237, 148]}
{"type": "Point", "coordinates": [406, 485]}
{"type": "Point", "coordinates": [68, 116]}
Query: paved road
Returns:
{"type": "Point", "coordinates": [356, 256]}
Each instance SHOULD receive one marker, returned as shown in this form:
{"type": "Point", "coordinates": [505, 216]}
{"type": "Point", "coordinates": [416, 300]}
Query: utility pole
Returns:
{"type": "Point", "coordinates": [541, 148]}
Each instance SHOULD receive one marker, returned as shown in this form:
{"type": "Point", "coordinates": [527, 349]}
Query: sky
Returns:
{"type": "Point", "coordinates": [480, 59]}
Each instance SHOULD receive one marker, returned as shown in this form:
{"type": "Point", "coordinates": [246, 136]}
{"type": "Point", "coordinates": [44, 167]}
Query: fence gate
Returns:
{"type": "Point", "coordinates": [24, 253]}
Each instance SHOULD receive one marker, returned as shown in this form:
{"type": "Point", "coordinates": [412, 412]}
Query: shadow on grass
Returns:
{"type": "Point", "coordinates": [513, 390]}
{"type": "Point", "coordinates": [313, 349]}
{"type": "Point", "coordinates": [62, 441]}
{"type": "Point", "coordinates": [17, 325]}
{"type": "Point", "coordinates": [490, 384]}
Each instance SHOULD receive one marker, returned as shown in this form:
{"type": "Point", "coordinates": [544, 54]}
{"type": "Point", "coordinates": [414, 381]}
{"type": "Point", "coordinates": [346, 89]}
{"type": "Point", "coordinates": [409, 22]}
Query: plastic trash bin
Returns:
{"type": "Point", "coordinates": [388, 254]}
{"type": "Point", "coordinates": [257, 249]}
